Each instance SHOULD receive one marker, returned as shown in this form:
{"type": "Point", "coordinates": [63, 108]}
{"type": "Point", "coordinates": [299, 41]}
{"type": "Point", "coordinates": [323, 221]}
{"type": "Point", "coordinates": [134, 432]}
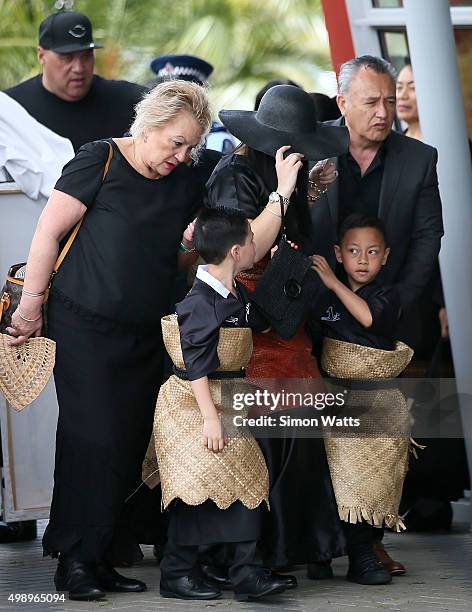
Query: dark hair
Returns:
{"type": "Point", "coordinates": [271, 84]}
{"type": "Point", "coordinates": [217, 230]}
{"type": "Point", "coordinates": [359, 220]}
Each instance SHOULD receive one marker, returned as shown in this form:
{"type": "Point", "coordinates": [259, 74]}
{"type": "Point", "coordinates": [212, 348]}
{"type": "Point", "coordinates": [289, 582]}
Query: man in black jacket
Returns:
{"type": "Point", "coordinates": [389, 175]}
{"type": "Point", "coordinates": [68, 97]}
{"type": "Point", "coordinates": [385, 174]}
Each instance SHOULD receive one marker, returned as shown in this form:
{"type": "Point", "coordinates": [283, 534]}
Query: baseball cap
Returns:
{"type": "Point", "coordinates": [66, 32]}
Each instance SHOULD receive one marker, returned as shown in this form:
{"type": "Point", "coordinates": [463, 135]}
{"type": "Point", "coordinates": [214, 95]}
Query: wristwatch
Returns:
{"type": "Point", "coordinates": [277, 198]}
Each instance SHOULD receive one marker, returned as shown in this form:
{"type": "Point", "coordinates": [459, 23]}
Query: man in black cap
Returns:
{"type": "Point", "coordinates": [68, 97]}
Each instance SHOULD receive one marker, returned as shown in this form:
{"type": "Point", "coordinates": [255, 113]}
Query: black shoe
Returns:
{"type": "Point", "coordinates": [289, 581]}
{"type": "Point", "coordinates": [216, 575]}
{"type": "Point", "coordinates": [79, 579]}
{"type": "Point", "coordinates": [20, 531]}
{"type": "Point", "coordinates": [187, 587]}
{"type": "Point", "coordinates": [258, 584]}
{"type": "Point", "coordinates": [321, 570]}
{"type": "Point", "coordinates": [365, 568]}
{"type": "Point", "coordinates": [111, 580]}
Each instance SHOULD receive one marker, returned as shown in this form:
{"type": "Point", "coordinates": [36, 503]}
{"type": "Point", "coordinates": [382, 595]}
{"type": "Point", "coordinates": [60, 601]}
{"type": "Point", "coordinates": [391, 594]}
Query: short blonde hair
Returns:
{"type": "Point", "coordinates": [166, 100]}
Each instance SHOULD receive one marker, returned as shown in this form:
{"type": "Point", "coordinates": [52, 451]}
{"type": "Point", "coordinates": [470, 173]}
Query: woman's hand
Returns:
{"type": "Point", "coordinates": [187, 238]}
{"type": "Point", "coordinates": [287, 170]}
{"type": "Point", "coordinates": [213, 437]}
{"type": "Point", "coordinates": [21, 330]}
{"type": "Point", "coordinates": [323, 173]}
{"type": "Point", "coordinates": [321, 266]}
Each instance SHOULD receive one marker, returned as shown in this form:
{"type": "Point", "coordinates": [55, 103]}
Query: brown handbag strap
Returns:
{"type": "Point", "coordinates": [71, 238]}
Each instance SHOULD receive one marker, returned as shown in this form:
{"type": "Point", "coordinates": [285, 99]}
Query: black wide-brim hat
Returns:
{"type": "Point", "coordinates": [286, 116]}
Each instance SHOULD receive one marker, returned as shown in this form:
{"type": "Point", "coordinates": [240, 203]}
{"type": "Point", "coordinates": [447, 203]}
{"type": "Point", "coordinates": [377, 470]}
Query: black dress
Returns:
{"type": "Point", "coordinates": [303, 525]}
{"type": "Point", "coordinates": [104, 314]}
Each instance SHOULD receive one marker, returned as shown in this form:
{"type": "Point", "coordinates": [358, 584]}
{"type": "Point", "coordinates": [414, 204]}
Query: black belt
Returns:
{"type": "Point", "coordinates": [182, 374]}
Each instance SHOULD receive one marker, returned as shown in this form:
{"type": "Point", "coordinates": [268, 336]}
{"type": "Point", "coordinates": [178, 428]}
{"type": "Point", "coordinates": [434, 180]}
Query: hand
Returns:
{"type": "Point", "coordinates": [321, 266]}
{"type": "Point", "coordinates": [323, 173]}
{"type": "Point", "coordinates": [187, 237]}
{"type": "Point", "coordinates": [274, 249]}
{"type": "Point", "coordinates": [287, 170]}
{"type": "Point", "coordinates": [22, 330]}
{"type": "Point", "coordinates": [443, 321]}
{"type": "Point", "coordinates": [213, 438]}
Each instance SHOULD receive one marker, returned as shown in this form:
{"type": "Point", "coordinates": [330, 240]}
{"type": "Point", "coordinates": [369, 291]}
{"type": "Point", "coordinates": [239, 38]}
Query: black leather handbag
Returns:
{"type": "Point", "coordinates": [286, 289]}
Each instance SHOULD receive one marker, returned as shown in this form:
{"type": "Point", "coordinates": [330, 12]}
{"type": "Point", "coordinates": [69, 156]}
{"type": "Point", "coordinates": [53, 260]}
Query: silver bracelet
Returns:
{"type": "Point", "coordinates": [272, 212]}
{"type": "Point", "coordinates": [33, 293]}
{"type": "Point", "coordinates": [28, 320]}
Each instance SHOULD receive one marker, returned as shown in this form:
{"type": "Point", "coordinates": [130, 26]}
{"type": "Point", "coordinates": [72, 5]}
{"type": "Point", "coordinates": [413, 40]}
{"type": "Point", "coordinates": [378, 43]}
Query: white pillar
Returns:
{"type": "Point", "coordinates": [443, 124]}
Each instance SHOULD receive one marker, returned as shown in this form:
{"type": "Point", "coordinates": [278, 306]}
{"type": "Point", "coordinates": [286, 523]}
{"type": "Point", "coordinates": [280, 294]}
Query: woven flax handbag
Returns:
{"type": "Point", "coordinates": [12, 290]}
{"type": "Point", "coordinates": [287, 288]}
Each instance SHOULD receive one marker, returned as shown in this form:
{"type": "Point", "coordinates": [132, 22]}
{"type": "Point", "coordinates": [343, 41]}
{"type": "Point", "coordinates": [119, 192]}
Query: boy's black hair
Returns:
{"type": "Point", "coordinates": [357, 220]}
{"type": "Point", "coordinates": [217, 230]}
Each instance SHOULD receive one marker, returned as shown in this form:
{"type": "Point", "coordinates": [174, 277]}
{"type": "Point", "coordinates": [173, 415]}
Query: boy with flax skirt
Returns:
{"type": "Point", "coordinates": [213, 485]}
{"type": "Point", "coordinates": [358, 321]}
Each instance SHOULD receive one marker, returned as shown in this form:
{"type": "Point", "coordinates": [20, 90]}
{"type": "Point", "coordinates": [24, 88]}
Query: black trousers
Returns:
{"type": "Point", "coordinates": [107, 381]}
{"type": "Point", "coordinates": [182, 559]}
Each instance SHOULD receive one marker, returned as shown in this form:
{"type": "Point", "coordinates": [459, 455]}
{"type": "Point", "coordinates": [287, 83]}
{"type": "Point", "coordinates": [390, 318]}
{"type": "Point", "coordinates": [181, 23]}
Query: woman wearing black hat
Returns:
{"type": "Point", "coordinates": [303, 525]}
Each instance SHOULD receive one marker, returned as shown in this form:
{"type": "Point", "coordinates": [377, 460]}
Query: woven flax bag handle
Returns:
{"type": "Point", "coordinates": [71, 238]}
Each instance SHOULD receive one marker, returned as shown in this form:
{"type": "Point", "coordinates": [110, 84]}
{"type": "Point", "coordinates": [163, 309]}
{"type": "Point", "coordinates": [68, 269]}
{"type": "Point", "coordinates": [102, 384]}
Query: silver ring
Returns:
{"type": "Point", "coordinates": [336, 173]}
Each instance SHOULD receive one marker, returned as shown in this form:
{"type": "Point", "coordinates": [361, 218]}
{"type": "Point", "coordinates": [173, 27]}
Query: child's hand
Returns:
{"type": "Point", "coordinates": [321, 266]}
{"type": "Point", "coordinates": [213, 437]}
{"type": "Point", "coordinates": [187, 237]}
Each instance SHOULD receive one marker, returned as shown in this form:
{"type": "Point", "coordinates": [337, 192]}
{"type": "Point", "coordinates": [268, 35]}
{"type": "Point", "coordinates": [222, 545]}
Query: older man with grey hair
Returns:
{"type": "Point", "coordinates": [387, 175]}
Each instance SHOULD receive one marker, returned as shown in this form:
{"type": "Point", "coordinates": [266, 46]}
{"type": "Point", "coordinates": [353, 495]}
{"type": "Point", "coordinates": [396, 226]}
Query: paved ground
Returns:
{"type": "Point", "coordinates": [439, 578]}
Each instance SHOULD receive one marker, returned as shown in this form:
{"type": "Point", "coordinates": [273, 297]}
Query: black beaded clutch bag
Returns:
{"type": "Point", "coordinates": [286, 289]}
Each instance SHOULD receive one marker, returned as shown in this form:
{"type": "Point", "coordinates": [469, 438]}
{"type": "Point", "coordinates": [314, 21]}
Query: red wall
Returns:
{"type": "Point", "coordinates": [339, 32]}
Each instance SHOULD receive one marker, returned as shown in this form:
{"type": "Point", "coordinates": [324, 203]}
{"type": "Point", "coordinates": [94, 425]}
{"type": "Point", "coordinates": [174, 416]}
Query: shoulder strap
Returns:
{"type": "Point", "coordinates": [71, 238]}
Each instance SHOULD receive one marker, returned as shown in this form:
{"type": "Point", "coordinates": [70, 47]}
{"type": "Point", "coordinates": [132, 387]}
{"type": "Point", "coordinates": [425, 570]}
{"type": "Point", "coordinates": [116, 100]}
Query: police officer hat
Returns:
{"type": "Point", "coordinates": [186, 67]}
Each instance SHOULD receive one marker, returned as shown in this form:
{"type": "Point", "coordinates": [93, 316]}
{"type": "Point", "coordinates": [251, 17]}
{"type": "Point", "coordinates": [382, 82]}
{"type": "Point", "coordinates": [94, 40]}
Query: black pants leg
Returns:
{"type": "Point", "coordinates": [246, 561]}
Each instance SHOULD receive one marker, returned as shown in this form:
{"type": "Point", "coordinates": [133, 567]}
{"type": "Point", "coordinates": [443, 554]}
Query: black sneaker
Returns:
{"type": "Point", "coordinates": [365, 568]}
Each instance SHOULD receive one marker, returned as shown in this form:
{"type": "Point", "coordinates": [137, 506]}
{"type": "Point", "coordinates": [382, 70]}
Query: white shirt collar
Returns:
{"type": "Point", "coordinates": [206, 277]}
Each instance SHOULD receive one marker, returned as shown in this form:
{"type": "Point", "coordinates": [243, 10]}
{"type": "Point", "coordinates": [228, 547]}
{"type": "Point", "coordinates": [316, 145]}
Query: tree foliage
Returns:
{"type": "Point", "coordinates": [248, 41]}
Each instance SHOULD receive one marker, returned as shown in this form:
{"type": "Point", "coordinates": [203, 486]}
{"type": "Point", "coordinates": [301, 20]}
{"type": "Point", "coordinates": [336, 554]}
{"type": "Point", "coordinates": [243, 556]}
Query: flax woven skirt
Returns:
{"type": "Point", "coordinates": [107, 380]}
{"type": "Point", "coordinates": [216, 497]}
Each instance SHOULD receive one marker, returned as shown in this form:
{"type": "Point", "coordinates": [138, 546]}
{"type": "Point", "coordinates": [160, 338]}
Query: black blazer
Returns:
{"type": "Point", "coordinates": [410, 209]}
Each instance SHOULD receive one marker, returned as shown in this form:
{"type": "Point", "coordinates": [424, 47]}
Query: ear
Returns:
{"type": "Point", "coordinates": [337, 252]}
{"type": "Point", "coordinates": [40, 55]}
{"type": "Point", "coordinates": [235, 252]}
{"type": "Point", "coordinates": [385, 257]}
{"type": "Point", "coordinates": [341, 101]}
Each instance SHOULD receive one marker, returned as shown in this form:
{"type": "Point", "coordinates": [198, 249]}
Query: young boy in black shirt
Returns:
{"type": "Point", "coordinates": [214, 486]}
{"type": "Point", "coordinates": [363, 312]}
